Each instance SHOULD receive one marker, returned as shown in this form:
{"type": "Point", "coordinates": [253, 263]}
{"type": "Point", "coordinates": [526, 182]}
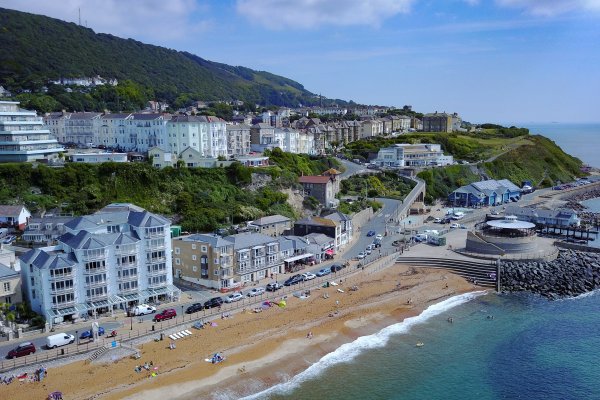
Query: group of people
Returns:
{"type": "Point", "coordinates": [38, 375]}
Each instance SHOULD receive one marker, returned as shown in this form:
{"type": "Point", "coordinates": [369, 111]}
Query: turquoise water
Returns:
{"type": "Point", "coordinates": [579, 140]}
{"type": "Point", "coordinates": [531, 349]}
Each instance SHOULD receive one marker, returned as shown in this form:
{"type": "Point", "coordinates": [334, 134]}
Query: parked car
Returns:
{"type": "Point", "coordinates": [293, 280]}
{"type": "Point", "coordinates": [324, 271]}
{"type": "Point", "coordinates": [214, 302]}
{"type": "Point", "coordinates": [271, 287]}
{"type": "Point", "coordinates": [307, 276]}
{"type": "Point", "coordinates": [376, 243]}
{"type": "Point", "coordinates": [9, 239]}
{"type": "Point", "coordinates": [379, 237]}
{"type": "Point", "coordinates": [454, 226]}
{"type": "Point", "coordinates": [234, 297]}
{"type": "Point", "coordinates": [59, 339]}
{"type": "Point", "coordinates": [88, 334]}
{"type": "Point", "coordinates": [142, 309]}
{"type": "Point", "coordinates": [257, 291]}
{"type": "Point", "coordinates": [24, 349]}
{"type": "Point", "coordinates": [336, 267]}
{"type": "Point", "coordinates": [361, 255]}
{"type": "Point", "coordinates": [371, 233]}
{"type": "Point", "coordinates": [437, 220]}
{"type": "Point", "coordinates": [194, 308]}
{"type": "Point", "coordinates": [165, 314]}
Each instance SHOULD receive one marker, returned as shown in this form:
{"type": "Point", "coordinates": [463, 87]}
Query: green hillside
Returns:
{"type": "Point", "coordinates": [36, 49]}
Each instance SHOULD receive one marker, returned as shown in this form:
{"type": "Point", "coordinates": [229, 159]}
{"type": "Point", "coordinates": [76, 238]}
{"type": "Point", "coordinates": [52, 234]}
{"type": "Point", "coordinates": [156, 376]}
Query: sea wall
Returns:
{"type": "Point", "coordinates": [571, 274]}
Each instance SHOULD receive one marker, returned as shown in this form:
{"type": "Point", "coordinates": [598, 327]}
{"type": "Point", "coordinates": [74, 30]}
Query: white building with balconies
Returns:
{"type": "Point", "coordinates": [23, 137]}
{"type": "Point", "coordinates": [115, 258]}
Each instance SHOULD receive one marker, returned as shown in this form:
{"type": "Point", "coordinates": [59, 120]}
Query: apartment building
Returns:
{"type": "Point", "coordinates": [23, 137]}
{"type": "Point", "coordinates": [272, 225]}
{"type": "Point", "coordinates": [205, 134]}
{"type": "Point", "coordinates": [205, 259]}
{"type": "Point", "coordinates": [115, 258]}
{"type": "Point", "coordinates": [238, 140]}
{"type": "Point", "coordinates": [45, 229]}
{"type": "Point", "coordinates": [412, 155]}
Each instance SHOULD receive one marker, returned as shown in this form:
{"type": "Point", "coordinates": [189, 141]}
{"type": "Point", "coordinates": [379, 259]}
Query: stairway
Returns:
{"type": "Point", "coordinates": [97, 353]}
{"type": "Point", "coordinates": [475, 271]}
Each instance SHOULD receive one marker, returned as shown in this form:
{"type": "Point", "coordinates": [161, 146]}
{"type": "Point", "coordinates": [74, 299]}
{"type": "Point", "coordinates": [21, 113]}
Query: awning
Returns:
{"type": "Point", "coordinates": [329, 252]}
{"type": "Point", "coordinates": [111, 300]}
{"type": "Point", "coordinates": [77, 308]}
{"type": "Point", "coordinates": [299, 257]}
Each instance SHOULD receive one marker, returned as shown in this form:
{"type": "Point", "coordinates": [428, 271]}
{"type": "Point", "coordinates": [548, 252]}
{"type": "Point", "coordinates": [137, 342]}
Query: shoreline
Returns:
{"type": "Point", "coordinates": [261, 349]}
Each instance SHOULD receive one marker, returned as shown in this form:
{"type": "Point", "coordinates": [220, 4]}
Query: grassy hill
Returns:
{"type": "Point", "coordinates": [36, 49]}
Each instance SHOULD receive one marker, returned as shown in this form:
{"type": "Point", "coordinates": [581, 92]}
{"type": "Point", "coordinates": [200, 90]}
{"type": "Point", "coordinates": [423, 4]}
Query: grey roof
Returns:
{"type": "Point", "coordinates": [271, 219]}
{"type": "Point", "coordinates": [318, 238]}
{"type": "Point", "coordinates": [115, 116]}
{"type": "Point", "coordinates": [10, 211]}
{"type": "Point", "coordinates": [214, 241]}
{"type": "Point", "coordinates": [338, 216]}
{"type": "Point", "coordinates": [146, 116]}
{"type": "Point", "coordinates": [296, 242]}
{"type": "Point", "coordinates": [43, 258]}
{"type": "Point", "coordinates": [83, 240]}
{"type": "Point", "coordinates": [6, 272]}
{"type": "Point", "coordinates": [245, 240]}
{"type": "Point", "coordinates": [85, 115]}
{"type": "Point", "coordinates": [195, 118]}
{"type": "Point", "coordinates": [49, 219]}
{"type": "Point", "coordinates": [562, 213]}
{"type": "Point", "coordinates": [488, 187]}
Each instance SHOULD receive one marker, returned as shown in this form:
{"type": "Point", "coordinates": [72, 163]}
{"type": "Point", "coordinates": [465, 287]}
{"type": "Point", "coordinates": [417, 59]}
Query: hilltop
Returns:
{"type": "Point", "coordinates": [36, 49]}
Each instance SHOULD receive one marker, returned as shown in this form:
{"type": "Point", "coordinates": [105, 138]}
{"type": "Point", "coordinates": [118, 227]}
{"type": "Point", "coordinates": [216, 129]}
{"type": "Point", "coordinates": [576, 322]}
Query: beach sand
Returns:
{"type": "Point", "coordinates": [261, 349]}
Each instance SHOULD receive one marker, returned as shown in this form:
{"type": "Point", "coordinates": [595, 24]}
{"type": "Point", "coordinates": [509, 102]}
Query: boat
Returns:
{"type": "Point", "coordinates": [420, 344]}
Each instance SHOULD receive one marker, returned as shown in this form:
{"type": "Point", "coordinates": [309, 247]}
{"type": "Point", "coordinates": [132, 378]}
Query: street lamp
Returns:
{"type": "Point", "coordinates": [182, 314]}
{"type": "Point", "coordinates": [77, 337]}
{"type": "Point", "coordinates": [131, 319]}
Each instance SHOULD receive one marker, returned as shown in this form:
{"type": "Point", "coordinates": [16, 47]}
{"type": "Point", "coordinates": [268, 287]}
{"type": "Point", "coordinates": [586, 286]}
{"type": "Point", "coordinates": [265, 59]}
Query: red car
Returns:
{"type": "Point", "coordinates": [24, 349]}
{"type": "Point", "coordinates": [165, 314]}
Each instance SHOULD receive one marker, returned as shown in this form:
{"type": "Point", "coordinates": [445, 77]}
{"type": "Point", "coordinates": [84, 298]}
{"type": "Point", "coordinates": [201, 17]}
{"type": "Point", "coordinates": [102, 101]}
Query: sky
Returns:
{"type": "Point", "coordinates": [488, 60]}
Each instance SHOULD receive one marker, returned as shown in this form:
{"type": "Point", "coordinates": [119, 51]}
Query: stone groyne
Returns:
{"type": "Point", "coordinates": [571, 274]}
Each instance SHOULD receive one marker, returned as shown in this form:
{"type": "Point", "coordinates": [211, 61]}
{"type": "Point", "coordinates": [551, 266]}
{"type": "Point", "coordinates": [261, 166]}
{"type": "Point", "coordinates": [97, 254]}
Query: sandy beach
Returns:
{"type": "Point", "coordinates": [261, 349]}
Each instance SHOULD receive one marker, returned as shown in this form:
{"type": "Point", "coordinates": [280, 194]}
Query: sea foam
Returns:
{"type": "Point", "coordinates": [348, 351]}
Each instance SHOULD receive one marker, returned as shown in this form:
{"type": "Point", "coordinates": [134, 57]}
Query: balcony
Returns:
{"type": "Point", "coordinates": [128, 291]}
{"type": "Point", "coordinates": [157, 272]}
{"type": "Point", "coordinates": [63, 304]}
{"type": "Point", "coordinates": [127, 278]}
{"type": "Point", "coordinates": [156, 260]}
{"type": "Point", "coordinates": [64, 290]}
{"type": "Point", "coordinates": [226, 273]}
{"type": "Point", "coordinates": [61, 276]}
{"type": "Point", "coordinates": [96, 284]}
{"type": "Point", "coordinates": [99, 297]}
{"type": "Point", "coordinates": [157, 285]}
{"type": "Point", "coordinates": [92, 271]}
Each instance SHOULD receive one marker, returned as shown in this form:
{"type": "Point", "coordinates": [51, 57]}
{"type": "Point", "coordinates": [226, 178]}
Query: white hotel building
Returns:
{"type": "Point", "coordinates": [23, 136]}
{"type": "Point", "coordinates": [205, 134]}
{"type": "Point", "coordinates": [115, 258]}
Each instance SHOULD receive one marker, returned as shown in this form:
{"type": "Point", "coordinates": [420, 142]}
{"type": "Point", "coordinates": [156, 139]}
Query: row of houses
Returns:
{"type": "Point", "coordinates": [124, 255]}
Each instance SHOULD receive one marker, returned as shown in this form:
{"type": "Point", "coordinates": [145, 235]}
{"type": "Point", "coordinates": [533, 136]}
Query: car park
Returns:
{"type": "Point", "coordinates": [293, 280]}
{"type": "Point", "coordinates": [24, 349]}
{"type": "Point", "coordinates": [89, 334]}
{"type": "Point", "coordinates": [233, 297]}
{"type": "Point", "coordinates": [272, 287]}
{"type": "Point", "coordinates": [371, 233]}
{"type": "Point", "coordinates": [194, 308]}
{"type": "Point", "coordinates": [307, 276]}
{"type": "Point", "coordinates": [142, 309]}
{"type": "Point", "coordinates": [214, 302]}
{"type": "Point", "coordinates": [165, 314]}
{"type": "Point", "coordinates": [256, 292]}
{"type": "Point", "coordinates": [324, 271]}
{"type": "Point", "coordinates": [361, 255]}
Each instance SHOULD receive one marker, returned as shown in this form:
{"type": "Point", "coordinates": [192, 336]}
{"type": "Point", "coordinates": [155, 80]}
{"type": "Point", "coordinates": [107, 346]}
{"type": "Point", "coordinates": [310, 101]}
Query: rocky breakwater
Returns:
{"type": "Point", "coordinates": [571, 274]}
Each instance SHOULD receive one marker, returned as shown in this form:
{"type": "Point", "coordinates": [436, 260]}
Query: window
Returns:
{"type": "Point", "coordinates": [204, 249]}
{"type": "Point", "coordinates": [177, 261]}
{"type": "Point", "coordinates": [216, 272]}
{"type": "Point", "coordinates": [194, 257]}
{"type": "Point", "coordinates": [33, 294]}
{"type": "Point", "coordinates": [7, 286]}
{"type": "Point", "coordinates": [195, 268]}
{"type": "Point", "coordinates": [32, 281]}
{"type": "Point", "coordinates": [177, 250]}
{"type": "Point", "coordinates": [193, 247]}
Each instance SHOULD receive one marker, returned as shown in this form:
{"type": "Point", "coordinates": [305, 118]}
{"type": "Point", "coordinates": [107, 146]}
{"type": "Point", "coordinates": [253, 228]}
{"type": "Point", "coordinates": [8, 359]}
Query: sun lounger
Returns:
{"type": "Point", "coordinates": [188, 332]}
{"type": "Point", "coordinates": [172, 337]}
{"type": "Point", "coordinates": [183, 333]}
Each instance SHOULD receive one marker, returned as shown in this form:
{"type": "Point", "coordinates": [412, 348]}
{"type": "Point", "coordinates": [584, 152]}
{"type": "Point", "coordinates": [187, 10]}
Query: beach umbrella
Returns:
{"type": "Point", "coordinates": [282, 304]}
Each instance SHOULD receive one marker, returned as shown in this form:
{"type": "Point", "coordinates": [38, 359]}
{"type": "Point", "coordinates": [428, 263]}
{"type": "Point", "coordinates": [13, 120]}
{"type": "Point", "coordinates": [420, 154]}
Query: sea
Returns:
{"type": "Point", "coordinates": [498, 346]}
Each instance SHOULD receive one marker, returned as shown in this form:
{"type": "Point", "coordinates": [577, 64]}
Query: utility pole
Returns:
{"type": "Point", "coordinates": [79, 9]}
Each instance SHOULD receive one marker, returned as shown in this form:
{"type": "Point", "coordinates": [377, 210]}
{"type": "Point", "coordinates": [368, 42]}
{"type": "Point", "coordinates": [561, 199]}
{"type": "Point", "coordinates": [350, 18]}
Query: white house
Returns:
{"type": "Point", "coordinates": [98, 158]}
{"type": "Point", "coordinates": [205, 134]}
{"type": "Point", "coordinates": [115, 258]}
{"type": "Point", "coordinates": [23, 137]}
{"type": "Point", "coordinates": [15, 216]}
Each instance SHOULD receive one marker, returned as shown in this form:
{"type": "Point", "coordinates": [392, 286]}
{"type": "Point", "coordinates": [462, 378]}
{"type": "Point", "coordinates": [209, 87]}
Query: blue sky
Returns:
{"type": "Point", "coordinates": [489, 60]}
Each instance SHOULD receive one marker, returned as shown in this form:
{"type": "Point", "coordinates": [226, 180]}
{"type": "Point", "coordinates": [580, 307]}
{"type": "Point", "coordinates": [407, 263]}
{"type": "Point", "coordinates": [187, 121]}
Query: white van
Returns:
{"type": "Point", "coordinates": [60, 339]}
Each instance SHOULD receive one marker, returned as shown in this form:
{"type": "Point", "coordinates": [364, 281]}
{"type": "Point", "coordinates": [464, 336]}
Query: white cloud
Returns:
{"type": "Point", "coordinates": [304, 14]}
{"type": "Point", "coordinates": [551, 8]}
{"type": "Point", "coordinates": [155, 21]}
